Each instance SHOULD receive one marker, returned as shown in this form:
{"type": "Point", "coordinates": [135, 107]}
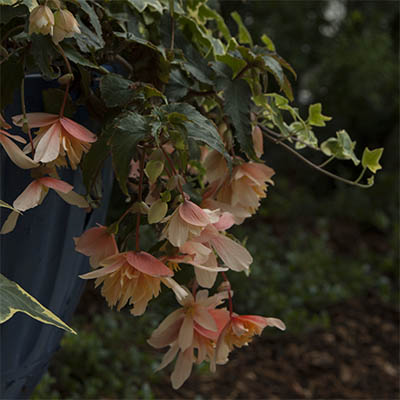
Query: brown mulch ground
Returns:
{"type": "Point", "coordinates": [358, 358]}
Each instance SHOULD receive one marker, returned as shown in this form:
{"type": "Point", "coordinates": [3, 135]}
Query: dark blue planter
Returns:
{"type": "Point", "coordinates": [39, 255]}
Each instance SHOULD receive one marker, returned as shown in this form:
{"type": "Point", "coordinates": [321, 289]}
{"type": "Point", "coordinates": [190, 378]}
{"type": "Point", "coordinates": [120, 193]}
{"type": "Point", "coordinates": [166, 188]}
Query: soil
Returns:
{"type": "Point", "coordinates": [357, 358]}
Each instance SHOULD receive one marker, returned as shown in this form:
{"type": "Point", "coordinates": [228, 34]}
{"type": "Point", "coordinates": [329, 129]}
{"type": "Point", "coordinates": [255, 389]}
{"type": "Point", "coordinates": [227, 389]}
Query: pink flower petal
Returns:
{"type": "Point", "coordinates": [258, 141]}
{"type": "Point", "coordinates": [233, 254]}
{"type": "Point", "coordinates": [177, 231]}
{"type": "Point", "coordinates": [225, 222]}
{"type": "Point", "coordinates": [30, 197]}
{"type": "Point", "coordinates": [183, 368]}
{"type": "Point", "coordinates": [205, 278]}
{"type": "Point", "coordinates": [96, 242]}
{"type": "Point", "coordinates": [203, 318]}
{"type": "Point", "coordinates": [16, 154]}
{"type": "Point", "coordinates": [36, 120]}
{"type": "Point", "coordinates": [48, 147]}
{"type": "Point", "coordinates": [55, 184]}
{"type": "Point", "coordinates": [169, 356]}
{"type": "Point", "coordinates": [78, 131]}
{"type": "Point", "coordinates": [193, 214]}
{"type": "Point", "coordinates": [15, 137]}
{"type": "Point", "coordinates": [146, 263]}
{"type": "Point", "coordinates": [73, 198]}
{"type": "Point", "coordinates": [101, 271]}
{"type": "Point", "coordinates": [185, 338]}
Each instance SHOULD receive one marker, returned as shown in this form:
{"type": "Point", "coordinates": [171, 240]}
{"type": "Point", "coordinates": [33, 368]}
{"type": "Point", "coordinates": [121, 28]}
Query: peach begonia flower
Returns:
{"type": "Point", "coordinates": [240, 193]}
{"type": "Point", "coordinates": [65, 25]}
{"type": "Point", "coordinates": [57, 138]}
{"type": "Point", "coordinates": [14, 152]}
{"type": "Point", "coordinates": [97, 243]}
{"type": "Point", "coordinates": [35, 192]}
{"type": "Point", "coordinates": [41, 20]}
{"type": "Point", "coordinates": [239, 332]}
{"type": "Point", "coordinates": [202, 258]}
{"type": "Point", "coordinates": [196, 325]}
{"type": "Point", "coordinates": [232, 253]}
{"type": "Point", "coordinates": [130, 276]}
{"type": "Point", "coordinates": [187, 221]}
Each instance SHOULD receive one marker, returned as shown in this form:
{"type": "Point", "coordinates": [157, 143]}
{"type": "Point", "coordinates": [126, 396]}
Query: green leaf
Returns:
{"type": "Point", "coordinates": [268, 42]}
{"type": "Point", "coordinates": [43, 52]}
{"type": "Point", "coordinates": [31, 4]}
{"type": "Point", "coordinates": [341, 147]}
{"type": "Point", "coordinates": [93, 18]}
{"type": "Point", "coordinates": [370, 159]}
{"type": "Point", "coordinates": [237, 103]}
{"type": "Point", "coordinates": [275, 68]}
{"type": "Point", "coordinates": [116, 91]}
{"type": "Point", "coordinates": [198, 127]}
{"type": "Point", "coordinates": [14, 299]}
{"type": "Point", "coordinates": [88, 41]}
{"type": "Point", "coordinates": [141, 5]}
{"type": "Point", "coordinates": [157, 212]}
{"type": "Point", "coordinates": [244, 35]}
{"type": "Point", "coordinates": [131, 37]}
{"type": "Point", "coordinates": [130, 129]}
{"type": "Point", "coordinates": [178, 85]}
{"type": "Point", "coordinates": [93, 162]}
{"type": "Point", "coordinates": [315, 117]}
{"type": "Point", "coordinates": [208, 13]}
{"type": "Point", "coordinates": [76, 57]}
{"type": "Point", "coordinates": [153, 170]}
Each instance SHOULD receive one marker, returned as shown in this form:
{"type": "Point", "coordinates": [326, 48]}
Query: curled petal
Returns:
{"type": "Point", "coordinates": [78, 131]}
{"type": "Point", "coordinates": [225, 222]}
{"type": "Point", "coordinates": [193, 214]}
{"type": "Point", "coordinates": [55, 184]}
{"type": "Point", "coordinates": [14, 137]}
{"type": "Point", "coordinates": [146, 263]}
{"type": "Point", "coordinates": [169, 356]}
{"type": "Point", "coordinates": [10, 223]}
{"type": "Point", "coordinates": [204, 319]}
{"type": "Point", "coordinates": [74, 199]}
{"type": "Point", "coordinates": [36, 120]}
{"type": "Point", "coordinates": [30, 197]}
{"type": "Point", "coordinates": [101, 271]}
{"type": "Point", "coordinates": [16, 154]}
{"type": "Point", "coordinates": [48, 147]}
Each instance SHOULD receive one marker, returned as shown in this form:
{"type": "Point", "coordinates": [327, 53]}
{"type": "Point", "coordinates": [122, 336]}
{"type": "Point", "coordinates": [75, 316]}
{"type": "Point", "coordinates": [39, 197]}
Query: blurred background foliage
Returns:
{"type": "Point", "coordinates": [315, 241]}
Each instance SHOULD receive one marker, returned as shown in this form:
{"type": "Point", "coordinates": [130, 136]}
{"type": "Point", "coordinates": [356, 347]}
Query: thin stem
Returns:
{"type": "Point", "coordinates": [172, 33]}
{"type": "Point", "coordinates": [242, 72]}
{"type": "Point", "coordinates": [12, 30]}
{"type": "Point", "coordinates": [68, 65]}
{"type": "Point", "coordinates": [311, 164]}
{"type": "Point", "coordinates": [326, 162]}
{"type": "Point", "coordinates": [229, 294]}
{"type": "Point", "coordinates": [25, 123]}
{"type": "Point", "coordinates": [173, 170]}
{"type": "Point", "coordinates": [141, 167]}
{"type": "Point", "coordinates": [361, 175]}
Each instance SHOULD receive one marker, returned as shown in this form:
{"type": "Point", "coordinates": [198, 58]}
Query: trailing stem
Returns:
{"type": "Point", "coordinates": [141, 167]}
{"type": "Point", "coordinates": [229, 294]}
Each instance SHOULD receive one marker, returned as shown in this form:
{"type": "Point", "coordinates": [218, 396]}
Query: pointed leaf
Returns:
{"type": "Point", "coordinates": [116, 91]}
{"type": "Point", "coordinates": [14, 299]}
{"type": "Point", "coordinates": [370, 159]}
{"type": "Point", "coordinates": [315, 116]}
{"type": "Point", "coordinates": [244, 35]}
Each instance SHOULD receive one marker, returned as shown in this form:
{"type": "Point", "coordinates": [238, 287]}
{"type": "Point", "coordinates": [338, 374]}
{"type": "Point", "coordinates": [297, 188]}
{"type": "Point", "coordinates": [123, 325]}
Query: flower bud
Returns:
{"type": "Point", "coordinates": [41, 21]}
{"type": "Point", "coordinates": [67, 78]}
{"type": "Point", "coordinates": [65, 25]}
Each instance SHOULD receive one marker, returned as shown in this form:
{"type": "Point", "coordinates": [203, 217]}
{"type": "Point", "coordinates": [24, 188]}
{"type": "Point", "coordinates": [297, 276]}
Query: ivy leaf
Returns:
{"type": "Point", "coordinates": [237, 102]}
{"type": "Point", "coordinates": [341, 147]}
{"type": "Point", "coordinates": [130, 129]}
{"type": "Point", "coordinates": [198, 127]}
{"type": "Point", "coordinates": [275, 68]}
{"type": "Point", "coordinates": [14, 299]}
{"type": "Point", "coordinates": [244, 35]}
{"type": "Point", "coordinates": [315, 116]}
{"type": "Point", "coordinates": [116, 91]}
{"type": "Point", "coordinates": [370, 159]}
{"type": "Point", "coordinates": [208, 13]}
{"type": "Point", "coordinates": [43, 52]}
